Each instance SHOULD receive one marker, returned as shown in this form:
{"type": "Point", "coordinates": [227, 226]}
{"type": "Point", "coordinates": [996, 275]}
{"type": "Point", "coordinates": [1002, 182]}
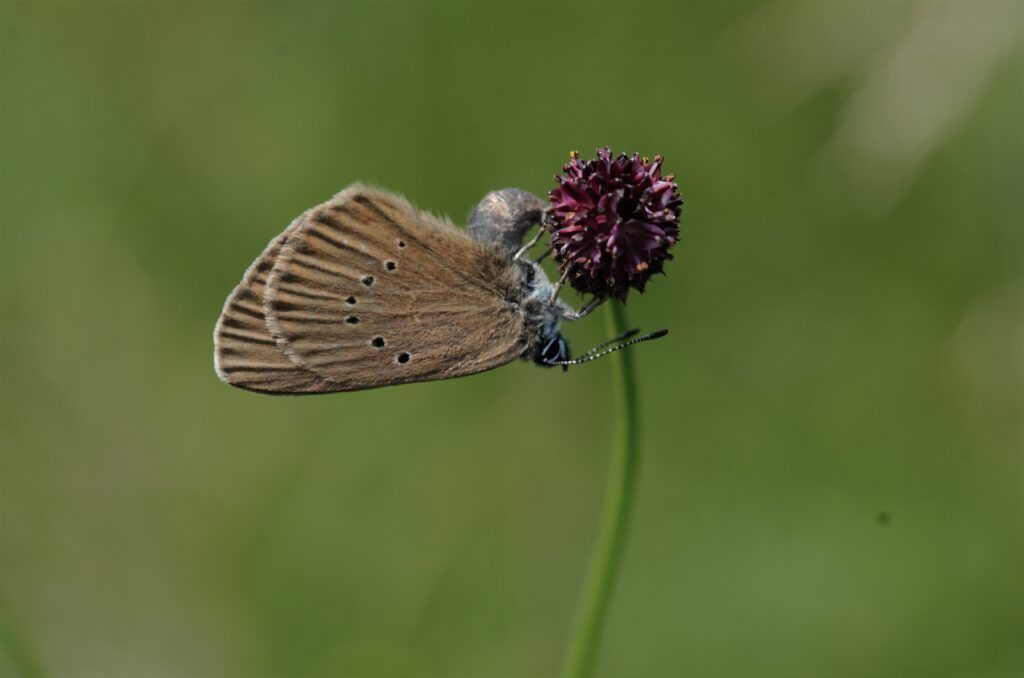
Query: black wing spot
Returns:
{"type": "Point", "coordinates": [403, 358]}
{"type": "Point", "coordinates": [351, 301]}
{"type": "Point", "coordinates": [378, 342]}
{"type": "Point", "coordinates": [352, 320]}
{"type": "Point", "coordinates": [401, 243]}
{"type": "Point", "coordinates": [390, 265]}
{"type": "Point", "coordinates": [367, 280]}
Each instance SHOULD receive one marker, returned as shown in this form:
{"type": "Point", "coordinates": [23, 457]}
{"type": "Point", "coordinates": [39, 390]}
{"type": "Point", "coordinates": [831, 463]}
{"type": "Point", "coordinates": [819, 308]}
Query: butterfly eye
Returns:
{"type": "Point", "coordinates": [552, 351]}
{"type": "Point", "coordinates": [403, 358]}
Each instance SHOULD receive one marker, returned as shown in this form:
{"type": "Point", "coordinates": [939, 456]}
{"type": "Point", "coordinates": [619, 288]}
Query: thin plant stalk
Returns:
{"type": "Point", "coordinates": [618, 502]}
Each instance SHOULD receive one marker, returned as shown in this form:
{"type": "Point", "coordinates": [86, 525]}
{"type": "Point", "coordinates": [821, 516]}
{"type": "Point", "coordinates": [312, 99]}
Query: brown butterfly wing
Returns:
{"type": "Point", "coordinates": [367, 291]}
{"type": "Point", "coordinates": [245, 353]}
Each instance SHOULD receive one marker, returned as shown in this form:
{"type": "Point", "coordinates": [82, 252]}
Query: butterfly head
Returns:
{"type": "Point", "coordinates": [554, 352]}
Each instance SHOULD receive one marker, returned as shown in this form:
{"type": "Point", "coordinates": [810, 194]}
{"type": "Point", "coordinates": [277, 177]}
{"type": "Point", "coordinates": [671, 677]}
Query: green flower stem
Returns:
{"type": "Point", "coordinates": [618, 501]}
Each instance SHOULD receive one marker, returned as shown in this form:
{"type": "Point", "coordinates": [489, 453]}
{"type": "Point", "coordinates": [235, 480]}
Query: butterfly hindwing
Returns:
{"type": "Point", "coordinates": [245, 352]}
{"type": "Point", "coordinates": [367, 291]}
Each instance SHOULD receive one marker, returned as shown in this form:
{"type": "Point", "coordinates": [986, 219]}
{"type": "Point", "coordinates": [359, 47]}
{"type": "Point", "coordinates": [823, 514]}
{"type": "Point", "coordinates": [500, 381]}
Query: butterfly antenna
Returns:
{"type": "Point", "coordinates": [591, 355]}
{"type": "Point", "coordinates": [625, 335]}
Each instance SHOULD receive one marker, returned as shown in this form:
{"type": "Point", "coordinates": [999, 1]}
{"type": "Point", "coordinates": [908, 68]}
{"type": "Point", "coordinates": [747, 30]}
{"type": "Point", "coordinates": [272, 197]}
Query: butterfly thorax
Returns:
{"type": "Point", "coordinates": [543, 334]}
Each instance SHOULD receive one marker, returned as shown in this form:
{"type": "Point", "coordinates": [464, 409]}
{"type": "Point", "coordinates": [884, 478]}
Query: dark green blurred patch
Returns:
{"type": "Point", "coordinates": [846, 327]}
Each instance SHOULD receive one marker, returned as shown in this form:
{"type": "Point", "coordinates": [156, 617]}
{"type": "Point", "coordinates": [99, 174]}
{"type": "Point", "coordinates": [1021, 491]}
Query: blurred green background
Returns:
{"type": "Point", "coordinates": [831, 481]}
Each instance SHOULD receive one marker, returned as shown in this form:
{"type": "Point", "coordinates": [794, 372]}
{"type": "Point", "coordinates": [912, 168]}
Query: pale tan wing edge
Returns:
{"type": "Point", "coordinates": [245, 353]}
{"type": "Point", "coordinates": [368, 291]}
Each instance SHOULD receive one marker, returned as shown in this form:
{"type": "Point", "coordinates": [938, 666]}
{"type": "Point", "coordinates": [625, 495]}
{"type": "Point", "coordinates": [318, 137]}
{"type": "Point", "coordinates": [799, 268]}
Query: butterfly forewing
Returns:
{"type": "Point", "coordinates": [367, 291]}
{"type": "Point", "coordinates": [245, 353]}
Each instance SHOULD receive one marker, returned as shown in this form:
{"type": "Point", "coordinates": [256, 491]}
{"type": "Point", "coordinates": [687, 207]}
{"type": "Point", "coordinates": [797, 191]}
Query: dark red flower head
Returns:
{"type": "Point", "coordinates": [612, 221]}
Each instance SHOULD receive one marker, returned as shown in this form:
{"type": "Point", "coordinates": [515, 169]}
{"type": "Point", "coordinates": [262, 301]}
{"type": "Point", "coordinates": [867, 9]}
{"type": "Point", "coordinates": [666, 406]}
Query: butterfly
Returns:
{"type": "Point", "coordinates": [365, 291]}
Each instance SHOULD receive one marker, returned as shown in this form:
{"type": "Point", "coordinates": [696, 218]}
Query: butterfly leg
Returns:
{"type": "Point", "coordinates": [571, 315]}
{"type": "Point", "coordinates": [558, 288]}
{"type": "Point", "coordinates": [526, 248]}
